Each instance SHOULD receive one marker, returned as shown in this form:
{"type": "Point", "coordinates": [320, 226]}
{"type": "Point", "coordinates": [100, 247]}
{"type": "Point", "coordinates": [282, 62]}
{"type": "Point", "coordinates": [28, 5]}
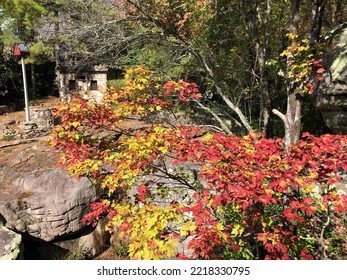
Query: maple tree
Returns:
{"type": "Point", "coordinates": [200, 28]}
{"type": "Point", "coordinates": [186, 27]}
{"type": "Point", "coordinates": [302, 71]}
{"type": "Point", "coordinates": [306, 68]}
{"type": "Point", "coordinates": [230, 197]}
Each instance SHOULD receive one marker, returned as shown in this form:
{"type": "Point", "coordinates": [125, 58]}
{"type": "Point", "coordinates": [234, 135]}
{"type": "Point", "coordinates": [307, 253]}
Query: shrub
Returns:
{"type": "Point", "coordinates": [235, 197]}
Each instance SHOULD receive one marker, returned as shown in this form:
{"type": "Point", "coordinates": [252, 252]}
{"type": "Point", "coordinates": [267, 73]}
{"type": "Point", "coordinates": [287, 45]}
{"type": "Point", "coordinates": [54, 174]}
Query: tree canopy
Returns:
{"type": "Point", "coordinates": [230, 48]}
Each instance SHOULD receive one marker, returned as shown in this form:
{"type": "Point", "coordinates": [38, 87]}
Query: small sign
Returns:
{"type": "Point", "coordinates": [21, 50]}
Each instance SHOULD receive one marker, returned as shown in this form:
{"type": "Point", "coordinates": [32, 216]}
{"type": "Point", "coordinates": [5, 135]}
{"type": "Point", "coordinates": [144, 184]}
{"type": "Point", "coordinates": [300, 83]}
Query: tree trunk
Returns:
{"type": "Point", "coordinates": [59, 73]}
{"type": "Point", "coordinates": [264, 91]}
{"type": "Point", "coordinates": [258, 23]}
{"type": "Point", "coordinates": [1, 47]}
{"type": "Point", "coordinates": [61, 84]}
{"type": "Point", "coordinates": [294, 102]}
{"type": "Point", "coordinates": [33, 80]}
{"type": "Point", "coordinates": [316, 26]}
{"type": "Point", "coordinates": [262, 51]}
{"type": "Point", "coordinates": [292, 118]}
{"type": "Point", "coordinates": [294, 17]}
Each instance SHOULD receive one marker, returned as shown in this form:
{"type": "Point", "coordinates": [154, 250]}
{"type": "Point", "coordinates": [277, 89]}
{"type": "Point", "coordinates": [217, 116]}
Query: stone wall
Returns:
{"type": "Point", "coordinates": [41, 121]}
{"type": "Point", "coordinates": [43, 117]}
{"type": "Point", "coordinates": [20, 134]}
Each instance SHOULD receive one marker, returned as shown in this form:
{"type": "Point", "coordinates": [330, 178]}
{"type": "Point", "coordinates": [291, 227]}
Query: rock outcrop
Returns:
{"type": "Point", "coordinates": [331, 99]}
{"type": "Point", "coordinates": [49, 204]}
{"type": "Point", "coordinates": [39, 199]}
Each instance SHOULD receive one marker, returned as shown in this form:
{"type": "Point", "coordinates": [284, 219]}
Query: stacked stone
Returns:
{"type": "Point", "coordinates": [41, 121]}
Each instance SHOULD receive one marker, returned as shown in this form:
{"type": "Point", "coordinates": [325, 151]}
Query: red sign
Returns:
{"type": "Point", "coordinates": [21, 50]}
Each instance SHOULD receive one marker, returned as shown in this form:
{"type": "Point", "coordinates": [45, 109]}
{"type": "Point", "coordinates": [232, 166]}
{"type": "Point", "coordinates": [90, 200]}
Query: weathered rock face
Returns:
{"type": "Point", "coordinates": [332, 97]}
{"type": "Point", "coordinates": [51, 204]}
{"type": "Point", "coordinates": [91, 242]}
{"type": "Point", "coordinates": [11, 247]}
{"type": "Point", "coordinates": [37, 197]}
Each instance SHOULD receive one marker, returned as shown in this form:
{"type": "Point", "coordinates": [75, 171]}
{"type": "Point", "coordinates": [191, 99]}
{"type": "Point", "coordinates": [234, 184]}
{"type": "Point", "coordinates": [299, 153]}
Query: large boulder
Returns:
{"type": "Point", "coordinates": [331, 99]}
{"type": "Point", "coordinates": [38, 198]}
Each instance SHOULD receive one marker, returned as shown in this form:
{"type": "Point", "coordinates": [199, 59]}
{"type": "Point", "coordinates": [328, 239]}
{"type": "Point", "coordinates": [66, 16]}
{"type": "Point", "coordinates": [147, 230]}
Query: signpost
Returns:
{"type": "Point", "coordinates": [22, 51]}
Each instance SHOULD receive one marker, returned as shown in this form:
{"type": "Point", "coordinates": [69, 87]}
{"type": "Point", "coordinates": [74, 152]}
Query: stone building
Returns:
{"type": "Point", "coordinates": [92, 81]}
